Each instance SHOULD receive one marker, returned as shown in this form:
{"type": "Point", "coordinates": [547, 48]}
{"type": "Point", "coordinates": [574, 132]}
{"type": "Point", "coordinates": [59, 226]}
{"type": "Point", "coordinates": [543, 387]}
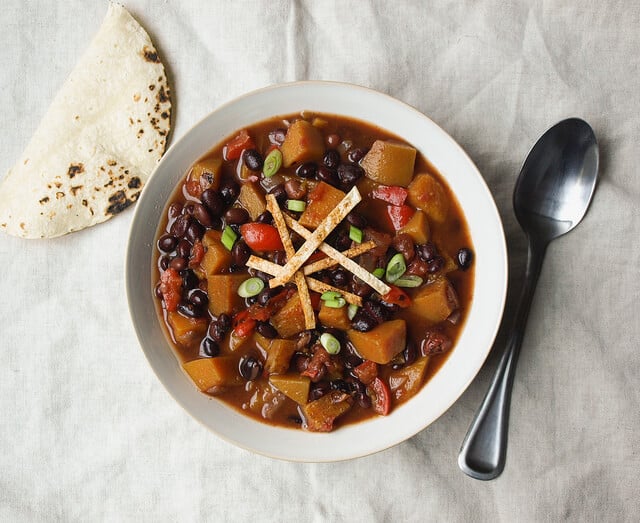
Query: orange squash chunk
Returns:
{"type": "Point", "coordinates": [279, 354]}
{"type": "Point", "coordinates": [302, 143]}
{"type": "Point", "coordinates": [207, 173]}
{"type": "Point", "coordinates": [434, 302]}
{"type": "Point", "coordinates": [405, 382]}
{"type": "Point", "coordinates": [252, 198]}
{"type": "Point", "coordinates": [320, 414]}
{"type": "Point", "coordinates": [390, 163]}
{"type": "Point", "coordinates": [332, 317]}
{"type": "Point", "coordinates": [186, 330]}
{"type": "Point", "coordinates": [417, 228]}
{"type": "Point", "coordinates": [427, 194]}
{"type": "Point", "coordinates": [382, 343]}
{"type": "Point", "coordinates": [213, 372]}
{"type": "Point", "coordinates": [321, 201]}
{"type": "Point", "coordinates": [290, 319]}
{"type": "Point", "coordinates": [293, 386]}
{"type": "Point", "coordinates": [216, 257]}
{"type": "Point", "coordinates": [223, 293]}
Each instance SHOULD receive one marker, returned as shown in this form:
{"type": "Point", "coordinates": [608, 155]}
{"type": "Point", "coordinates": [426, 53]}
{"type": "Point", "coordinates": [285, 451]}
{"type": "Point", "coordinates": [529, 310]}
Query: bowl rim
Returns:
{"type": "Point", "coordinates": [400, 436]}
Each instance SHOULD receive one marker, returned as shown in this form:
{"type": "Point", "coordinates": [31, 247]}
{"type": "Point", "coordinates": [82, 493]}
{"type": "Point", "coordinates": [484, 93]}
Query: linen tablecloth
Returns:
{"type": "Point", "coordinates": [88, 433]}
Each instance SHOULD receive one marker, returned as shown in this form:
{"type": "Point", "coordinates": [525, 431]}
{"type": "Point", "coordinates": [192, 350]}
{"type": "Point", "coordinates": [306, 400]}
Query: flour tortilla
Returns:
{"type": "Point", "coordinates": [99, 141]}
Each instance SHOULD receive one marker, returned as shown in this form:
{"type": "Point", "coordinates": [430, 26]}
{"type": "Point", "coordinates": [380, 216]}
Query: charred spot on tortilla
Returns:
{"type": "Point", "coordinates": [75, 169]}
{"type": "Point", "coordinates": [75, 189]}
{"type": "Point", "coordinates": [150, 55]}
{"type": "Point", "coordinates": [163, 96]}
{"type": "Point", "coordinates": [164, 114]}
{"type": "Point", "coordinates": [59, 194]}
{"type": "Point", "coordinates": [134, 183]}
{"type": "Point", "coordinates": [44, 200]}
{"type": "Point", "coordinates": [119, 202]}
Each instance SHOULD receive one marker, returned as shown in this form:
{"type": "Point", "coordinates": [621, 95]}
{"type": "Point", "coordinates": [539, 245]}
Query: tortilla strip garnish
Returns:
{"type": "Point", "coordinates": [326, 263]}
{"type": "Point", "coordinates": [371, 280]}
{"type": "Point", "coordinates": [323, 230]}
{"type": "Point", "coordinates": [271, 268]}
{"type": "Point", "coordinates": [303, 290]}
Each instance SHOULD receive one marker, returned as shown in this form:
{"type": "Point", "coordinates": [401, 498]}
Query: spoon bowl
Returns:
{"type": "Point", "coordinates": [551, 196]}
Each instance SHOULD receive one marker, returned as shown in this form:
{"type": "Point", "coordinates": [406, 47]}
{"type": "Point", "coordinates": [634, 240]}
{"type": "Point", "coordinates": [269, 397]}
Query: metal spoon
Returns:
{"type": "Point", "coordinates": [550, 198]}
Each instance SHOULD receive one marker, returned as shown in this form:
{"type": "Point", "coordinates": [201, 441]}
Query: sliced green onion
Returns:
{"type": "Point", "coordinates": [250, 287]}
{"type": "Point", "coordinates": [296, 205]}
{"type": "Point", "coordinates": [379, 272]}
{"type": "Point", "coordinates": [272, 163]}
{"type": "Point", "coordinates": [395, 268]}
{"type": "Point", "coordinates": [410, 280]}
{"type": "Point", "coordinates": [335, 304]}
{"type": "Point", "coordinates": [330, 343]}
{"type": "Point", "coordinates": [330, 295]}
{"type": "Point", "coordinates": [351, 310]}
{"type": "Point", "coordinates": [229, 237]}
{"type": "Point", "coordinates": [355, 234]}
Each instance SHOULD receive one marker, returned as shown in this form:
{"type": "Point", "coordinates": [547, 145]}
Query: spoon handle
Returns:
{"type": "Point", "coordinates": [483, 452]}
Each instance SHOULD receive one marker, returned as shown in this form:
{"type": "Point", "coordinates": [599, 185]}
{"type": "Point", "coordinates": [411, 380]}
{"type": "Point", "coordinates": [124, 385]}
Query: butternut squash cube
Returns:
{"type": "Point", "coordinates": [390, 163]}
{"type": "Point", "coordinates": [252, 198]}
{"type": "Point", "coordinates": [293, 386]}
{"type": "Point", "coordinates": [382, 343]}
{"type": "Point", "coordinates": [335, 318]}
{"type": "Point", "coordinates": [223, 293]}
{"type": "Point", "coordinates": [185, 331]}
{"type": "Point", "coordinates": [405, 382]}
{"type": "Point", "coordinates": [302, 143]}
{"type": "Point", "coordinates": [207, 173]}
{"type": "Point", "coordinates": [213, 372]}
{"type": "Point", "coordinates": [427, 194]}
{"type": "Point", "coordinates": [435, 301]}
{"type": "Point", "coordinates": [418, 228]}
{"type": "Point", "coordinates": [320, 414]}
{"type": "Point", "coordinates": [320, 202]}
{"type": "Point", "coordinates": [279, 354]}
{"type": "Point", "coordinates": [216, 257]}
{"type": "Point", "coordinates": [289, 320]}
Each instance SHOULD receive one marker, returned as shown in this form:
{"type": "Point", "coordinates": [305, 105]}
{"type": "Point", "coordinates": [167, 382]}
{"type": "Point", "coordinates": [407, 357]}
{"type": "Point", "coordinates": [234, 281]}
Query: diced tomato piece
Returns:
{"type": "Point", "coordinates": [193, 188]}
{"type": "Point", "coordinates": [380, 396]}
{"type": "Point", "coordinates": [315, 300]}
{"type": "Point", "coordinates": [243, 324]}
{"type": "Point", "coordinates": [399, 215]}
{"type": "Point", "coordinates": [171, 288]}
{"type": "Point", "coordinates": [233, 149]}
{"type": "Point", "coordinates": [316, 256]}
{"type": "Point", "coordinates": [316, 364]}
{"type": "Point", "coordinates": [397, 297]}
{"type": "Point", "coordinates": [391, 194]}
{"type": "Point", "coordinates": [197, 253]}
{"type": "Point", "coordinates": [367, 371]}
{"type": "Point", "coordinates": [261, 237]}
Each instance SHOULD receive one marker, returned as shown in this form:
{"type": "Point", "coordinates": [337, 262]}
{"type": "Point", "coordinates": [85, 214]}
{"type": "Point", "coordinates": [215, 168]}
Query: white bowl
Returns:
{"type": "Point", "coordinates": [480, 327]}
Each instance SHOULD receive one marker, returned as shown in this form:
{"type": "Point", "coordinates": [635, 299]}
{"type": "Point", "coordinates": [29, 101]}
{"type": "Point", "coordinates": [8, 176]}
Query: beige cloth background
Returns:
{"type": "Point", "coordinates": [87, 433]}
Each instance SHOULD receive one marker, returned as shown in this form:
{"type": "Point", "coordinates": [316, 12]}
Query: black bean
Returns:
{"type": "Point", "coordinates": [178, 264]}
{"type": "Point", "coordinates": [403, 243]}
{"type": "Point", "coordinates": [265, 217]}
{"type": "Point", "coordinates": [436, 264]}
{"type": "Point", "coordinates": [327, 175]}
{"type": "Point", "coordinates": [318, 390]}
{"type": "Point", "coordinates": [183, 249]}
{"type": "Point", "coordinates": [350, 356]}
{"type": "Point", "coordinates": [427, 251]}
{"type": "Point", "coordinates": [225, 321]}
{"type": "Point", "coordinates": [252, 159]}
{"type": "Point", "coordinates": [360, 288]}
{"type": "Point", "coordinates": [300, 361]}
{"type": "Point", "coordinates": [349, 174]}
{"type": "Point", "coordinates": [229, 191]}
{"type": "Point", "coordinates": [340, 385]}
{"type": "Point", "coordinates": [464, 258]}
{"type": "Point", "coordinates": [342, 241]}
{"type": "Point", "coordinates": [340, 277]}
{"type": "Point", "coordinates": [435, 342]}
{"type": "Point", "coordinates": [194, 232]}
{"type": "Point", "coordinates": [189, 279]}
{"type": "Point", "coordinates": [250, 368]}
{"type": "Point", "coordinates": [279, 257]}
{"type": "Point", "coordinates": [376, 311]}
{"type": "Point", "coordinates": [277, 136]}
{"type": "Point", "coordinates": [363, 400]}
{"type": "Point", "coordinates": [157, 291]}
{"type": "Point", "coordinates": [355, 155]}
{"type": "Point", "coordinates": [362, 322]}
{"type": "Point", "coordinates": [188, 208]}
{"type": "Point", "coordinates": [209, 348]}
{"type": "Point", "coordinates": [266, 295]}
{"type": "Point", "coordinates": [180, 225]}
{"type": "Point", "coordinates": [236, 216]}
{"type": "Point", "coordinates": [190, 310]}
{"type": "Point", "coordinates": [307, 170]}
{"type": "Point", "coordinates": [331, 159]}
{"type": "Point", "coordinates": [211, 199]}
{"type": "Point", "coordinates": [410, 353]}
{"type": "Point", "coordinates": [249, 301]}
{"type": "Point", "coordinates": [174, 210]}
{"type": "Point", "coordinates": [295, 189]}
{"type": "Point", "coordinates": [163, 263]}
{"type": "Point", "coordinates": [240, 253]}
{"type": "Point", "coordinates": [198, 298]}
{"type": "Point", "coordinates": [259, 274]}
{"type": "Point", "coordinates": [333, 140]}
{"type": "Point", "coordinates": [279, 192]}
{"type": "Point", "coordinates": [357, 220]}
{"type": "Point", "coordinates": [167, 243]}
{"type": "Point", "coordinates": [267, 330]}
{"type": "Point", "coordinates": [217, 331]}
{"type": "Point", "coordinates": [201, 214]}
